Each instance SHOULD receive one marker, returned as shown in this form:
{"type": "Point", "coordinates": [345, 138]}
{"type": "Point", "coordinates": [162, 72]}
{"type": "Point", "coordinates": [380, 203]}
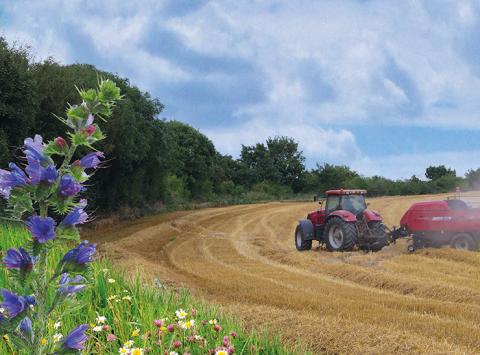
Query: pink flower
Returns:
{"type": "Point", "coordinates": [158, 323]}
{"type": "Point", "coordinates": [226, 342]}
{"type": "Point", "coordinates": [177, 344]}
{"type": "Point", "coordinates": [171, 328]}
{"type": "Point", "coordinates": [217, 328]}
{"type": "Point", "coordinates": [233, 334]}
{"type": "Point", "coordinates": [111, 337]}
{"type": "Point", "coordinates": [191, 339]}
{"type": "Point", "coordinates": [106, 327]}
{"type": "Point", "coordinates": [193, 312]}
{"type": "Point", "coordinates": [230, 350]}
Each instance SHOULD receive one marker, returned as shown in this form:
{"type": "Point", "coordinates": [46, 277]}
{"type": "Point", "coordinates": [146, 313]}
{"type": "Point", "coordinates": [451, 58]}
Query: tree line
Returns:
{"type": "Point", "coordinates": [155, 162]}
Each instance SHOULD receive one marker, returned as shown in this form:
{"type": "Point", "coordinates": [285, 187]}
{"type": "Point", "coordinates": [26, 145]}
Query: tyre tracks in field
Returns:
{"type": "Point", "coordinates": [243, 258]}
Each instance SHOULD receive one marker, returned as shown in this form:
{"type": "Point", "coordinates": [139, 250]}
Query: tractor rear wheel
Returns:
{"type": "Point", "coordinates": [463, 241]}
{"type": "Point", "coordinates": [379, 230]}
{"type": "Point", "coordinates": [300, 242]}
{"type": "Point", "coordinates": [340, 235]}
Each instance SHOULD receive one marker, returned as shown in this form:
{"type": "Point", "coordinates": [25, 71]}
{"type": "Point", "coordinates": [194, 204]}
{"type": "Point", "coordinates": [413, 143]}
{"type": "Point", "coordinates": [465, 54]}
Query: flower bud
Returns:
{"type": "Point", "coordinates": [61, 143]}
{"type": "Point", "coordinates": [158, 323]}
{"type": "Point", "coordinates": [170, 328]}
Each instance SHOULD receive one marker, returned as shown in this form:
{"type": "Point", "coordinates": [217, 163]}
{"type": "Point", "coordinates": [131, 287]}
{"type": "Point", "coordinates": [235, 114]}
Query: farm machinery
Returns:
{"type": "Point", "coordinates": [346, 223]}
{"type": "Point", "coordinates": [343, 224]}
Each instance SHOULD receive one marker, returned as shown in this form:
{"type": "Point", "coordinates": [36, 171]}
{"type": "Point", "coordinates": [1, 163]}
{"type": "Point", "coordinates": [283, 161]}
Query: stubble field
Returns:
{"type": "Point", "coordinates": [243, 258]}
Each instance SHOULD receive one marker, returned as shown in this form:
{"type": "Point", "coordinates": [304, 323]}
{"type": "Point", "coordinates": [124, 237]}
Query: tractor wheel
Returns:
{"type": "Point", "coordinates": [379, 230]}
{"type": "Point", "coordinates": [463, 241]}
{"type": "Point", "coordinates": [340, 235]}
{"type": "Point", "coordinates": [300, 241]}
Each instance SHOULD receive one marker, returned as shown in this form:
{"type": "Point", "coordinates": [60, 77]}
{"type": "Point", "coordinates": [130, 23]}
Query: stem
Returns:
{"type": "Point", "coordinates": [68, 156]}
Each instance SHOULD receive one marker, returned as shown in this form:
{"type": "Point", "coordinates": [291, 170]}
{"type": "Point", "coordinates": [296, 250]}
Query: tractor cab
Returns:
{"type": "Point", "coordinates": [347, 200]}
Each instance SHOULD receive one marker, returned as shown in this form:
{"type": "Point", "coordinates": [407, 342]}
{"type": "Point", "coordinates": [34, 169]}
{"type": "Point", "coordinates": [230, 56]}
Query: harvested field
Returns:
{"type": "Point", "coordinates": [244, 259]}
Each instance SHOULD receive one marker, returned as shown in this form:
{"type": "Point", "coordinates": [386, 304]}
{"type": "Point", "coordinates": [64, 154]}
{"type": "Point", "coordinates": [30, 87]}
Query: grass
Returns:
{"type": "Point", "coordinates": [130, 307]}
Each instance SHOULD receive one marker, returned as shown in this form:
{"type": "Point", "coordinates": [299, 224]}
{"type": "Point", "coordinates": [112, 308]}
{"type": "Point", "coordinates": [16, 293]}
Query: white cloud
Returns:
{"type": "Point", "coordinates": [405, 165]}
{"type": "Point", "coordinates": [318, 144]}
{"type": "Point", "coordinates": [323, 66]}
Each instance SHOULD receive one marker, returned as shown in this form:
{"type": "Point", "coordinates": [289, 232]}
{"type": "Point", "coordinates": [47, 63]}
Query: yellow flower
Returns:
{"type": "Point", "coordinates": [221, 352]}
{"type": "Point", "coordinates": [123, 351]}
{"type": "Point", "coordinates": [92, 325]}
{"type": "Point", "coordinates": [135, 332]}
{"type": "Point", "coordinates": [136, 351]}
{"type": "Point", "coordinates": [6, 337]}
{"type": "Point", "coordinates": [112, 297]}
{"type": "Point", "coordinates": [163, 328]}
{"type": "Point", "coordinates": [127, 298]}
{"type": "Point", "coordinates": [43, 341]}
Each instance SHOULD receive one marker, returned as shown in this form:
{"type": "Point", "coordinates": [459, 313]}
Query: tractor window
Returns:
{"type": "Point", "coordinates": [333, 203]}
{"type": "Point", "coordinates": [353, 203]}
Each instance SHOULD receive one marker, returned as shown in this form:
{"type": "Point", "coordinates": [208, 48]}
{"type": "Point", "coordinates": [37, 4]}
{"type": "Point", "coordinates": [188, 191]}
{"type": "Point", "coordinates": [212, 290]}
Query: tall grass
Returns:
{"type": "Point", "coordinates": [130, 307]}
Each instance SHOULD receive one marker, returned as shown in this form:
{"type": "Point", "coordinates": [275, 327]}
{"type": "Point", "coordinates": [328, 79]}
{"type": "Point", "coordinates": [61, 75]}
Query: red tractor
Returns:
{"type": "Point", "coordinates": [439, 223]}
{"type": "Point", "coordinates": [344, 224]}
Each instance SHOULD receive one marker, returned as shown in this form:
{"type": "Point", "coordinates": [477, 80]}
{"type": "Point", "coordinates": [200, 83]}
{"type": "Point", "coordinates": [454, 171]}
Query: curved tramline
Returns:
{"type": "Point", "coordinates": [243, 259]}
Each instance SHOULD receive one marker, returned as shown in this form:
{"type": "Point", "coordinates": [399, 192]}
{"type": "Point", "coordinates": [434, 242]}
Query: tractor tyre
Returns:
{"type": "Point", "coordinates": [463, 241]}
{"type": "Point", "coordinates": [340, 235]}
{"type": "Point", "coordinates": [300, 243]}
{"type": "Point", "coordinates": [379, 230]}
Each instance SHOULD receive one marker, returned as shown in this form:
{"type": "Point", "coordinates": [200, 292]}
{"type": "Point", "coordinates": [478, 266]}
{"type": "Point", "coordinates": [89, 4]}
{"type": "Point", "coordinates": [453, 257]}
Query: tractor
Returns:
{"type": "Point", "coordinates": [344, 223]}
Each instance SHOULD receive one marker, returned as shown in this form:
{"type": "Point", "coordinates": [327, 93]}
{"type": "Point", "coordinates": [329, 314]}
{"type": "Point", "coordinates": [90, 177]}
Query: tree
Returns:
{"type": "Point", "coordinates": [473, 178]}
{"type": "Point", "coordinates": [18, 99]}
{"type": "Point", "coordinates": [192, 158]}
{"type": "Point", "coordinates": [436, 172]}
{"type": "Point", "coordinates": [278, 161]}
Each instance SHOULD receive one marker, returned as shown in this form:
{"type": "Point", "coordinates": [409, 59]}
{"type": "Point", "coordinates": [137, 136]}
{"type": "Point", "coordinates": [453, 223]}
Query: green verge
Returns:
{"type": "Point", "coordinates": [130, 308]}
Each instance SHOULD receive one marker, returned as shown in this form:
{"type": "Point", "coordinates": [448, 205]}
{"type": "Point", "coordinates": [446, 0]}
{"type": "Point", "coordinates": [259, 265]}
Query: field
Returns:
{"type": "Point", "coordinates": [243, 258]}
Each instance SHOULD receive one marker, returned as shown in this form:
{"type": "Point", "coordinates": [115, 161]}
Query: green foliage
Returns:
{"type": "Point", "coordinates": [129, 304]}
{"type": "Point", "coordinates": [437, 172]}
{"type": "Point", "coordinates": [18, 99]}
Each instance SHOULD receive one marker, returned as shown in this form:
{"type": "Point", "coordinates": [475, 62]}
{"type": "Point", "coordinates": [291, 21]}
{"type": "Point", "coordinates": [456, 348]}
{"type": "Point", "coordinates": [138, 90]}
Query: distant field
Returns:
{"type": "Point", "coordinates": [243, 258]}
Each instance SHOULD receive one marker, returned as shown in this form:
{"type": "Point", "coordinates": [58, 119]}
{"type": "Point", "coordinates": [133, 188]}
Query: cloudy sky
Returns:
{"type": "Point", "coordinates": [387, 87]}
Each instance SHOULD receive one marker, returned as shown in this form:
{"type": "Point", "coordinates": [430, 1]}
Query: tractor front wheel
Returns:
{"type": "Point", "coordinates": [340, 235]}
{"type": "Point", "coordinates": [463, 241]}
{"type": "Point", "coordinates": [300, 242]}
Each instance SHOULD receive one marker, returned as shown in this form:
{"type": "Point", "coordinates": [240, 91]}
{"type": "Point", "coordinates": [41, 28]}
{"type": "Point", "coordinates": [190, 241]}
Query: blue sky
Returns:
{"type": "Point", "coordinates": [387, 87]}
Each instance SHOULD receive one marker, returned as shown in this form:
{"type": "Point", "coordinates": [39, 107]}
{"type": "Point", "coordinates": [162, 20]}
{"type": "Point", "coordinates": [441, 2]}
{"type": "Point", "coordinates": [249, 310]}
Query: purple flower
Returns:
{"type": "Point", "coordinates": [42, 228]}
{"type": "Point", "coordinates": [90, 120]}
{"type": "Point", "coordinates": [77, 215]}
{"type": "Point", "coordinates": [38, 173]}
{"type": "Point", "coordinates": [18, 259]}
{"type": "Point", "coordinates": [26, 328]}
{"type": "Point", "coordinates": [10, 179]}
{"type": "Point", "coordinates": [68, 286]}
{"type": "Point", "coordinates": [77, 258]}
{"type": "Point", "coordinates": [15, 304]}
{"type": "Point", "coordinates": [76, 338]}
{"type": "Point", "coordinates": [69, 186]}
{"type": "Point", "coordinates": [34, 148]}
{"type": "Point", "coordinates": [91, 160]}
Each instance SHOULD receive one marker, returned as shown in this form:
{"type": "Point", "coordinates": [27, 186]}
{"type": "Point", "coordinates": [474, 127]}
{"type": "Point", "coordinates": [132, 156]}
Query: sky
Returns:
{"type": "Point", "coordinates": [386, 87]}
